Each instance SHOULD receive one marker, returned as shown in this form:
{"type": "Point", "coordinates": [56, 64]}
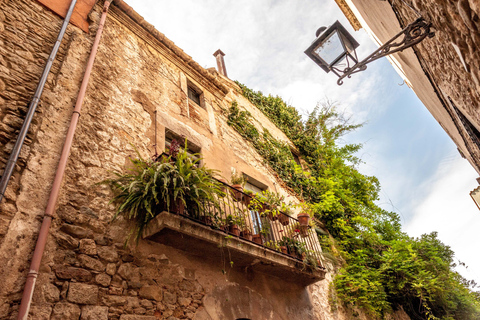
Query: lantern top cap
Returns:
{"type": "Point", "coordinates": [324, 32]}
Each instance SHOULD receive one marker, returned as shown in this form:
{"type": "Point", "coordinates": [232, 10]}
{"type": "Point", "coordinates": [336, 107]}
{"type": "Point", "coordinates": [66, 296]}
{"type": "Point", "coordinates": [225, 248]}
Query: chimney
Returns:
{"type": "Point", "coordinates": [220, 62]}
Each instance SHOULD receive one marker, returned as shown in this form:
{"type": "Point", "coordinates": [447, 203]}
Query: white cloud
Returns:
{"type": "Point", "coordinates": [449, 210]}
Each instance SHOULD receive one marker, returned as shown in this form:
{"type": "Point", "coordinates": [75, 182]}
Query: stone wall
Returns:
{"type": "Point", "coordinates": [451, 58]}
{"type": "Point", "coordinates": [87, 272]}
{"type": "Point", "coordinates": [22, 58]}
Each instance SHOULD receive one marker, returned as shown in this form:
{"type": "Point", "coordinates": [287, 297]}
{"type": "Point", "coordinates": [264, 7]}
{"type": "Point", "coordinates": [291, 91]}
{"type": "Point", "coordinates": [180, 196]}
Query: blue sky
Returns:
{"type": "Point", "coordinates": [423, 177]}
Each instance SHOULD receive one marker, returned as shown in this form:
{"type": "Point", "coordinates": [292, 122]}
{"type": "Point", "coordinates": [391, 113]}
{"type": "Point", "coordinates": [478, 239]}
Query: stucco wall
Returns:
{"type": "Point", "coordinates": [86, 271]}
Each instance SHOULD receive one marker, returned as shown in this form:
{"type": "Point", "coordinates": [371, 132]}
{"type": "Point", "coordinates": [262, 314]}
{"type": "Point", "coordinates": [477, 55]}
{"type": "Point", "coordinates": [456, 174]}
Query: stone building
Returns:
{"type": "Point", "coordinates": [443, 71]}
{"type": "Point", "coordinates": [143, 92]}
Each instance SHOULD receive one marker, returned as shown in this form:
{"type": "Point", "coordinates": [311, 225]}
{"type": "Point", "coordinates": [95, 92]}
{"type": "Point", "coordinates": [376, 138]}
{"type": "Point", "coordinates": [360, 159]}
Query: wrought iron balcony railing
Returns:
{"type": "Point", "coordinates": [273, 230]}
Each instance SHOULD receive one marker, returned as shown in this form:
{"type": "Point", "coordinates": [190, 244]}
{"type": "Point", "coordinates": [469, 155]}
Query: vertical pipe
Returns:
{"type": "Point", "coordinates": [40, 246]}
{"type": "Point", "coordinates": [12, 160]}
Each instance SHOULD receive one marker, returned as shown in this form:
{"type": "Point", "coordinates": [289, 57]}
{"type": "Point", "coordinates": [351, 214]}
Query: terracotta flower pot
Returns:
{"type": "Point", "coordinates": [247, 199]}
{"type": "Point", "coordinates": [304, 231]}
{"type": "Point", "coordinates": [303, 219]}
{"type": "Point", "coordinates": [246, 234]}
{"type": "Point", "coordinates": [284, 249]}
{"type": "Point", "coordinates": [272, 216]}
{"type": "Point", "coordinates": [177, 206]}
{"type": "Point", "coordinates": [284, 219]}
{"type": "Point", "coordinates": [257, 238]}
{"type": "Point", "coordinates": [234, 229]}
{"type": "Point", "coordinates": [237, 190]}
{"type": "Point", "coordinates": [206, 220]}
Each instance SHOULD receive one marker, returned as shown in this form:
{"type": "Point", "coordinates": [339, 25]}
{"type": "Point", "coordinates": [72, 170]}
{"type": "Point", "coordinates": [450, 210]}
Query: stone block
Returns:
{"type": "Point", "coordinates": [76, 231]}
{"type": "Point", "coordinates": [4, 223]}
{"type": "Point", "coordinates": [114, 300]}
{"type": "Point", "coordinates": [125, 270]}
{"type": "Point", "coordinates": [147, 304]}
{"type": "Point", "coordinates": [111, 269]}
{"type": "Point", "coordinates": [115, 290]}
{"type": "Point", "coordinates": [51, 293]}
{"type": "Point", "coordinates": [169, 298]}
{"type": "Point", "coordinates": [136, 317]}
{"type": "Point", "coordinates": [65, 311]}
{"type": "Point", "coordinates": [184, 302]}
{"type": "Point", "coordinates": [42, 312]}
{"type": "Point", "coordinates": [151, 292]}
{"type": "Point", "coordinates": [82, 293]}
{"type": "Point", "coordinates": [88, 246]}
{"type": "Point", "coordinates": [66, 241]}
{"type": "Point", "coordinates": [91, 263]}
{"type": "Point", "coordinates": [103, 279]}
{"type": "Point", "coordinates": [94, 313]}
{"type": "Point", "coordinates": [78, 274]}
{"type": "Point", "coordinates": [108, 253]}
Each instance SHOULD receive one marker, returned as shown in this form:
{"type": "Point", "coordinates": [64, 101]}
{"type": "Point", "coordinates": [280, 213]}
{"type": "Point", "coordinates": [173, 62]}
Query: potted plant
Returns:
{"type": "Point", "coordinates": [257, 238]}
{"type": "Point", "coordinates": [273, 201]}
{"type": "Point", "coordinates": [171, 184]}
{"type": "Point", "coordinates": [272, 245]}
{"type": "Point", "coordinates": [258, 204]}
{"type": "Point", "coordinates": [237, 181]}
{"type": "Point", "coordinates": [207, 217]}
{"type": "Point", "coordinates": [233, 223]}
{"type": "Point", "coordinates": [284, 244]}
{"type": "Point", "coordinates": [285, 214]}
{"type": "Point", "coordinates": [304, 216]}
{"type": "Point", "coordinates": [247, 197]}
{"type": "Point", "coordinates": [245, 229]}
{"type": "Point", "coordinates": [246, 233]}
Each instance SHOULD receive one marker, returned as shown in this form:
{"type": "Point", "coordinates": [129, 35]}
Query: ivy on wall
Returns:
{"type": "Point", "coordinates": [384, 268]}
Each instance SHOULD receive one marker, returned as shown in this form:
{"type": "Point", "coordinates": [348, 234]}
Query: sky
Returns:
{"type": "Point", "coordinates": [423, 177]}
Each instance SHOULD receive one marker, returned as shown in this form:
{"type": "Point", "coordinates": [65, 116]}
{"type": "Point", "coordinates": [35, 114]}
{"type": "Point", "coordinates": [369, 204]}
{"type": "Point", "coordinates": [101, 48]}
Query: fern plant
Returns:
{"type": "Point", "coordinates": [153, 186]}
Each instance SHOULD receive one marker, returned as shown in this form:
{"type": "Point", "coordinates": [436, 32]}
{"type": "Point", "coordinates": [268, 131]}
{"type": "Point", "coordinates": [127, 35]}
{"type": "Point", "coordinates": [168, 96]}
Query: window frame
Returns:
{"type": "Point", "coordinates": [196, 91]}
{"type": "Point", "coordinates": [192, 148]}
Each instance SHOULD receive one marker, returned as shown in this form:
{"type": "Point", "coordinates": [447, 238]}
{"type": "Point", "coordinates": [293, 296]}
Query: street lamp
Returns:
{"type": "Point", "coordinates": [334, 48]}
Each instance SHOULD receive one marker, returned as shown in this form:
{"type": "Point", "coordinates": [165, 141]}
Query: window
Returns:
{"type": "Point", "coordinates": [192, 148]}
{"type": "Point", "coordinates": [296, 158]}
{"type": "Point", "coordinates": [256, 186]}
{"type": "Point", "coordinates": [195, 94]}
{"type": "Point", "coordinates": [469, 127]}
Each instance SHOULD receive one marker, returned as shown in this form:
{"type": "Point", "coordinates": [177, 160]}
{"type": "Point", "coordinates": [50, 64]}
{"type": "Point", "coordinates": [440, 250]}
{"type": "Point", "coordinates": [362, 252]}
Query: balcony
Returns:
{"type": "Point", "coordinates": [274, 244]}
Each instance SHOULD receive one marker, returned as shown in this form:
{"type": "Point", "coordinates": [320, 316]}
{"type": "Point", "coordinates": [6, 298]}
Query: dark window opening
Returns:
{"type": "Point", "coordinates": [296, 158]}
{"type": "Point", "coordinates": [469, 127]}
{"type": "Point", "coordinates": [194, 94]}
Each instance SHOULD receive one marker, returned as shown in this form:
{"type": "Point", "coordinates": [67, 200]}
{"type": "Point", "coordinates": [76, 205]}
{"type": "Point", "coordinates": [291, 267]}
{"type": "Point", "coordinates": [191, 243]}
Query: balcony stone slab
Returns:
{"type": "Point", "coordinates": [203, 241]}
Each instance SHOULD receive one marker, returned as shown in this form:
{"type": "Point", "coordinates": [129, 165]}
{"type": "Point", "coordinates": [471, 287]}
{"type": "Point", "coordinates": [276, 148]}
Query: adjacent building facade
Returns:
{"type": "Point", "coordinates": [444, 71]}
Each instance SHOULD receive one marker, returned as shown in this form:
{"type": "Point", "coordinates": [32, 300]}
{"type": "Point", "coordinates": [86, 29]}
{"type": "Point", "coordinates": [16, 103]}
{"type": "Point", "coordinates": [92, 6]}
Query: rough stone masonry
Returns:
{"type": "Point", "coordinates": [87, 272]}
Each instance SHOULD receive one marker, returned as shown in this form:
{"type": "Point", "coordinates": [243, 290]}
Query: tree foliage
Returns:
{"type": "Point", "coordinates": [384, 268]}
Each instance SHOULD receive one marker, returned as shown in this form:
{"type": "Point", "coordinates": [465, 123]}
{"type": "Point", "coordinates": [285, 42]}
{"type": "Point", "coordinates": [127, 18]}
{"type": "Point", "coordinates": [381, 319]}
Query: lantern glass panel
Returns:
{"type": "Point", "coordinates": [331, 49]}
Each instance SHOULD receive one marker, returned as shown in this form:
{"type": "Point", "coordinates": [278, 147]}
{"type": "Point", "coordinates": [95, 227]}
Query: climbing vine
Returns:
{"type": "Point", "coordinates": [383, 268]}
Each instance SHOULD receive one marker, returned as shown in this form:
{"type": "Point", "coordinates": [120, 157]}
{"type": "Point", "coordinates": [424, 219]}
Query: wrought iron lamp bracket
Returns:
{"type": "Point", "coordinates": [412, 34]}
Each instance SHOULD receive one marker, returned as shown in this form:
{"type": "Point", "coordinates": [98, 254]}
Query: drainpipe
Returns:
{"type": "Point", "coordinates": [12, 160]}
{"type": "Point", "coordinates": [47, 219]}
